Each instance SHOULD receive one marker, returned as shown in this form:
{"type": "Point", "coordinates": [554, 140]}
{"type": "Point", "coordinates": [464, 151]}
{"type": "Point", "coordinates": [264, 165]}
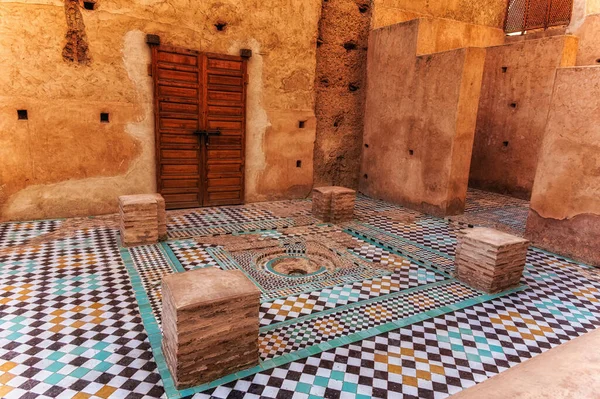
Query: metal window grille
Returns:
{"type": "Point", "coordinates": [524, 15]}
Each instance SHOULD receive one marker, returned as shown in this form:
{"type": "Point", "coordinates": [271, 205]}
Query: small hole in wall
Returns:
{"type": "Point", "coordinates": [411, 152]}
{"type": "Point", "coordinates": [598, 61]}
{"type": "Point", "coordinates": [220, 26]}
{"type": "Point", "coordinates": [338, 120]}
{"type": "Point", "coordinates": [513, 105]}
{"type": "Point", "coordinates": [366, 176]}
{"type": "Point", "coordinates": [366, 146]}
{"type": "Point", "coordinates": [301, 124]}
{"type": "Point", "coordinates": [324, 82]}
{"type": "Point", "coordinates": [350, 46]}
{"type": "Point", "coordinates": [363, 8]}
{"type": "Point", "coordinates": [298, 163]}
{"type": "Point", "coordinates": [22, 114]}
{"type": "Point", "coordinates": [505, 143]}
{"type": "Point", "coordinates": [353, 87]}
{"type": "Point", "coordinates": [104, 117]}
{"type": "Point", "coordinates": [319, 41]}
{"type": "Point", "coordinates": [89, 5]}
{"type": "Point", "coordinates": [504, 69]}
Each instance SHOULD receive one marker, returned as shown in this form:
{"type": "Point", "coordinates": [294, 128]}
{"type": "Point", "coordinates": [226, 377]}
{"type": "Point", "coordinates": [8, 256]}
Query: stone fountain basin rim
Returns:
{"type": "Point", "coordinates": [269, 267]}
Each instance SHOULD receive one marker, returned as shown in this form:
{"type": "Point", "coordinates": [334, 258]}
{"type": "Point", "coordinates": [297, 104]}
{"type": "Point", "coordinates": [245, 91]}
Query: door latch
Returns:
{"type": "Point", "coordinates": [207, 133]}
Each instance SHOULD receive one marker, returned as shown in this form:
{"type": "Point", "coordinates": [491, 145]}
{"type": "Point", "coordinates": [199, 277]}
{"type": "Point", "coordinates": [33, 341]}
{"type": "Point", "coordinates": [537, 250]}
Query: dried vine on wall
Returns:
{"type": "Point", "coordinates": [76, 48]}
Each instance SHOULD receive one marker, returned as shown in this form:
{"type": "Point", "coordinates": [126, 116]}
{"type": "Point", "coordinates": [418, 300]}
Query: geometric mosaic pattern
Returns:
{"type": "Point", "coordinates": [70, 324]}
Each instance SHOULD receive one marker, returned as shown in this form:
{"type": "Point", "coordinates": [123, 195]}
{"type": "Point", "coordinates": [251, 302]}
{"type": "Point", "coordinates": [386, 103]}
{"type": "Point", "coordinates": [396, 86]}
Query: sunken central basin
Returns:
{"type": "Point", "coordinates": [294, 266]}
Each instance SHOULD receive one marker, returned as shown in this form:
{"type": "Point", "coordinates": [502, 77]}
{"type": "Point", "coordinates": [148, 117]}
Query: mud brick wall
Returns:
{"type": "Point", "coordinates": [340, 90]}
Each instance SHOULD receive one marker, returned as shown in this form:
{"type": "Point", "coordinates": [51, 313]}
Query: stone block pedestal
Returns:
{"type": "Point", "coordinates": [490, 260]}
{"type": "Point", "coordinates": [210, 324]}
{"type": "Point", "coordinates": [333, 204]}
{"type": "Point", "coordinates": [143, 219]}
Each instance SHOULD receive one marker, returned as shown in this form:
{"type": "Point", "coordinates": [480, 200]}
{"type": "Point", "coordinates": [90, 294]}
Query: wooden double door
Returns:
{"type": "Point", "coordinates": [200, 112]}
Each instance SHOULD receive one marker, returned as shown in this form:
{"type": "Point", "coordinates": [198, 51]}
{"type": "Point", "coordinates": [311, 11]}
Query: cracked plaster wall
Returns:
{"type": "Point", "coordinates": [63, 161]}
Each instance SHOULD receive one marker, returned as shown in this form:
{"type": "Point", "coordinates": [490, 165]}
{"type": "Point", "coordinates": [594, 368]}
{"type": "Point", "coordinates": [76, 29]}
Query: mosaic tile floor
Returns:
{"type": "Point", "coordinates": [70, 325]}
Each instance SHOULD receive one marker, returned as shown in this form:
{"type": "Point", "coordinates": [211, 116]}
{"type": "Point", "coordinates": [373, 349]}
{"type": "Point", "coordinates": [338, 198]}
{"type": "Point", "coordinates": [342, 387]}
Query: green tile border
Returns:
{"type": "Point", "coordinates": [155, 335]}
{"type": "Point", "coordinates": [407, 241]}
{"type": "Point", "coordinates": [150, 324]}
{"type": "Point", "coordinates": [402, 255]}
{"type": "Point", "coordinates": [356, 304]}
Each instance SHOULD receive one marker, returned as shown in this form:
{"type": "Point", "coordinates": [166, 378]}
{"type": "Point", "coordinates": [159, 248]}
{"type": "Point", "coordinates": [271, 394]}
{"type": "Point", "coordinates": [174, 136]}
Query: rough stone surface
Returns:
{"type": "Point", "coordinates": [414, 154]}
{"type": "Point", "coordinates": [340, 90]}
{"type": "Point", "coordinates": [478, 12]}
{"type": "Point", "coordinates": [589, 41]}
{"type": "Point", "coordinates": [210, 324]}
{"type": "Point", "coordinates": [142, 219]}
{"type": "Point", "coordinates": [517, 85]}
{"type": "Point", "coordinates": [333, 204]}
{"type": "Point", "coordinates": [490, 260]}
{"type": "Point", "coordinates": [64, 162]}
{"type": "Point", "coordinates": [565, 211]}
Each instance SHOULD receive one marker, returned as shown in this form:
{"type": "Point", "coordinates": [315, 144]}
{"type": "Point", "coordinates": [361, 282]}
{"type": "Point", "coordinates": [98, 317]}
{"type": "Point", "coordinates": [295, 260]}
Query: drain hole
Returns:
{"type": "Point", "coordinates": [350, 46]}
{"type": "Point", "coordinates": [297, 272]}
{"type": "Point", "coordinates": [220, 26]}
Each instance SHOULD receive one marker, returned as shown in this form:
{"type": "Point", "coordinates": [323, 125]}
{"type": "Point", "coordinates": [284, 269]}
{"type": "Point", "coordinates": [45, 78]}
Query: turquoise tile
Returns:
{"type": "Point", "coordinates": [321, 381]}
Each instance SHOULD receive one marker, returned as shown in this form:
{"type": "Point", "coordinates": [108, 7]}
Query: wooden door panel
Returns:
{"type": "Point", "coordinates": [225, 85]}
{"type": "Point", "coordinates": [177, 80]}
{"type": "Point", "coordinates": [178, 139]}
{"type": "Point", "coordinates": [179, 170]}
{"type": "Point", "coordinates": [183, 94]}
{"type": "Point", "coordinates": [180, 108]}
{"type": "Point", "coordinates": [199, 92]}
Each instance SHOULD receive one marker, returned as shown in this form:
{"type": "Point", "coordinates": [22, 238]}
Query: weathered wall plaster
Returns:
{"type": "Point", "coordinates": [585, 24]}
{"type": "Point", "coordinates": [63, 162]}
{"type": "Point", "coordinates": [565, 209]}
{"type": "Point", "coordinates": [413, 153]}
{"type": "Point", "coordinates": [340, 90]}
{"type": "Point", "coordinates": [478, 12]}
{"type": "Point", "coordinates": [513, 108]}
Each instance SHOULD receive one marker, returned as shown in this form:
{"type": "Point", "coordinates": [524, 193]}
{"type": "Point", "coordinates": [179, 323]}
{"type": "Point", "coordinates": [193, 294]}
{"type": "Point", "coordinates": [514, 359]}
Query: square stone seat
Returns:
{"type": "Point", "coordinates": [333, 203]}
{"type": "Point", "coordinates": [143, 219]}
{"type": "Point", "coordinates": [490, 260]}
{"type": "Point", "coordinates": [210, 324]}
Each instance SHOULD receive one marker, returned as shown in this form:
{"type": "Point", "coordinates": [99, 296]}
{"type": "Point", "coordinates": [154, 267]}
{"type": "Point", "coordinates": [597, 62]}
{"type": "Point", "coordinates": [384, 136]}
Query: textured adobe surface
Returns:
{"type": "Point", "coordinates": [478, 12]}
{"type": "Point", "coordinates": [565, 211]}
{"type": "Point", "coordinates": [414, 154]}
{"type": "Point", "coordinates": [517, 85]}
{"type": "Point", "coordinates": [63, 161]}
{"type": "Point", "coordinates": [340, 90]}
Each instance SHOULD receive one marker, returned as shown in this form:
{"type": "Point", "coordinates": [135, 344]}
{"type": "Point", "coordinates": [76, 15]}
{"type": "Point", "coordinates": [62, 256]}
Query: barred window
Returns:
{"type": "Point", "coordinates": [524, 15]}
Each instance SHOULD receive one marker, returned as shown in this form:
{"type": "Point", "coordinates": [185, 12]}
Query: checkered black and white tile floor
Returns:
{"type": "Point", "coordinates": [70, 326]}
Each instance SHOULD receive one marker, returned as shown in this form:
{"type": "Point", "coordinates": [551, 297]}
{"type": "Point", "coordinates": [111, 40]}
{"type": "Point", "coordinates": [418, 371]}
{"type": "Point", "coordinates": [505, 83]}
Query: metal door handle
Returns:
{"type": "Point", "coordinates": [207, 132]}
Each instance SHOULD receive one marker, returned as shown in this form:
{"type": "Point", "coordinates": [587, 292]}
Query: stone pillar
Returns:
{"type": "Point", "coordinates": [210, 324]}
{"type": "Point", "coordinates": [490, 260]}
{"type": "Point", "coordinates": [565, 202]}
{"type": "Point", "coordinates": [143, 219]}
{"type": "Point", "coordinates": [333, 204]}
